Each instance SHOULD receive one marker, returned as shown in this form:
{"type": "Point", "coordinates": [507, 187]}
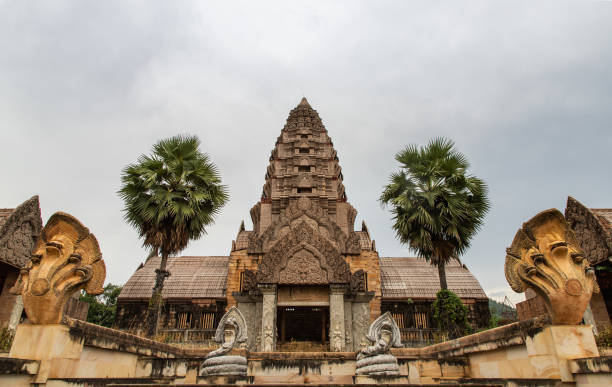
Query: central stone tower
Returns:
{"type": "Point", "coordinates": [303, 164]}
{"type": "Point", "coordinates": [304, 273]}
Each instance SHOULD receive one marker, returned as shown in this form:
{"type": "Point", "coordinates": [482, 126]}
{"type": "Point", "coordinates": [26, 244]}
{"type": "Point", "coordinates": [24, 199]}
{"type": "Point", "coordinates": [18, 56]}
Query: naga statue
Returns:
{"type": "Point", "coordinates": [65, 259]}
{"type": "Point", "coordinates": [232, 330]}
{"type": "Point", "coordinates": [376, 359]}
{"type": "Point", "coordinates": [546, 257]}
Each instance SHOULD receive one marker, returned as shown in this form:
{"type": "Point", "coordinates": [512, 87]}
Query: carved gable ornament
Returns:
{"type": "Point", "coordinates": [303, 256]}
{"type": "Point", "coordinates": [65, 259]}
{"type": "Point", "coordinates": [19, 232]}
{"type": "Point", "coordinates": [304, 209]}
{"type": "Point", "coordinates": [545, 257]}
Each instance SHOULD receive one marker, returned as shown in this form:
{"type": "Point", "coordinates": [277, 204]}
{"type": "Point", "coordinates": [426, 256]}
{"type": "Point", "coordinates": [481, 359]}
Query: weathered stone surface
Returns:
{"type": "Point", "coordinates": [268, 318]}
{"type": "Point", "coordinates": [545, 257]}
{"type": "Point", "coordinates": [18, 233]}
{"type": "Point", "coordinates": [336, 318]}
{"type": "Point", "coordinates": [64, 243]}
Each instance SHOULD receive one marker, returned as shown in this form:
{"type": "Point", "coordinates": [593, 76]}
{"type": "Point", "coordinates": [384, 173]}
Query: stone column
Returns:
{"type": "Point", "coordinates": [337, 332]}
{"type": "Point", "coordinates": [268, 317]}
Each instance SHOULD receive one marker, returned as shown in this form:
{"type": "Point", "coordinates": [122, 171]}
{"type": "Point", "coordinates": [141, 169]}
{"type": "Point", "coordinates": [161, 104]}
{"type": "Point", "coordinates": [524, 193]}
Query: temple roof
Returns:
{"type": "Point", "coordinates": [205, 277]}
{"type": "Point", "coordinates": [404, 277]}
{"type": "Point", "coordinates": [191, 277]}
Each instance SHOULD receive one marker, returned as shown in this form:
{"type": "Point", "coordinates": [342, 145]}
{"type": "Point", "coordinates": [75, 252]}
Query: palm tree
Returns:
{"type": "Point", "coordinates": [170, 197]}
{"type": "Point", "coordinates": [437, 207]}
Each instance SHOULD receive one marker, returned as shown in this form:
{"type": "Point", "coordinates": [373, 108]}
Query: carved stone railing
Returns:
{"type": "Point", "coordinates": [421, 337]}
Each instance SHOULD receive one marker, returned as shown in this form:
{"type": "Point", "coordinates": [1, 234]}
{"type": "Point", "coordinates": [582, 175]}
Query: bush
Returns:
{"type": "Point", "coordinates": [450, 314]}
{"type": "Point", "coordinates": [604, 338]}
{"type": "Point", "coordinates": [102, 308]}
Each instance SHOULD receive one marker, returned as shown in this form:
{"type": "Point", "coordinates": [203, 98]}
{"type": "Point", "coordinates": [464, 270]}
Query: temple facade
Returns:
{"type": "Point", "coordinates": [303, 276]}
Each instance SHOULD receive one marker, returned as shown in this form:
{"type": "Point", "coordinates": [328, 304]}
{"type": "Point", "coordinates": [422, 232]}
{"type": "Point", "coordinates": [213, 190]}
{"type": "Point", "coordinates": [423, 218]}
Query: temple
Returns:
{"type": "Point", "coordinates": [303, 276]}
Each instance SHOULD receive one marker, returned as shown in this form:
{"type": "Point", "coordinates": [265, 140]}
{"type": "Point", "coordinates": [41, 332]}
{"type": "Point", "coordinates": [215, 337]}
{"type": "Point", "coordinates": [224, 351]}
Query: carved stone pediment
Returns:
{"type": "Point", "coordinates": [304, 209]}
{"type": "Point", "coordinates": [303, 256]}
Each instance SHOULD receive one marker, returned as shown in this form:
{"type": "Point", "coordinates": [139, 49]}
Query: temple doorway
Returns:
{"type": "Point", "coordinates": [303, 324]}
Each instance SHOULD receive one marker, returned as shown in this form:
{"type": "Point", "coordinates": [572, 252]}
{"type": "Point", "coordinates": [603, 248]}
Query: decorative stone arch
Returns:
{"type": "Point", "coordinates": [303, 238]}
{"type": "Point", "coordinates": [294, 269]}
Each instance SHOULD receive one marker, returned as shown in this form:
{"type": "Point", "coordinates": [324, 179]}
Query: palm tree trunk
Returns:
{"type": "Point", "coordinates": [155, 304]}
{"type": "Point", "coordinates": [442, 274]}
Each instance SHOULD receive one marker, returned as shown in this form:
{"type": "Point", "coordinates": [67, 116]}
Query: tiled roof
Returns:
{"type": "Point", "coordinates": [415, 278]}
{"type": "Point", "coordinates": [190, 277]}
{"type": "Point", "coordinates": [605, 216]}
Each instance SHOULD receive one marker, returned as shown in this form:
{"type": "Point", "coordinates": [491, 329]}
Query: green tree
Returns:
{"type": "Point", "coordinates": [102, 308]}
{"type": "Point", "coordinates": [437, 207]}
{"type": "Point", "coordinates": [170, 197]}
{"type": "Point", "coordinates": [450, 314]}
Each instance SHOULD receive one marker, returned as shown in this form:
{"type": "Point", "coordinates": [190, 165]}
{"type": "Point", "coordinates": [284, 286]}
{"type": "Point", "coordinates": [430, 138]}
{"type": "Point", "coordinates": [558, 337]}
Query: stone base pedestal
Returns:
{"type": "Point", "coordinates": [555, 346]}
{"type": "Point", "coordinates": [44, 342]}
{"type": "Point", "coordinates": [363, 379]}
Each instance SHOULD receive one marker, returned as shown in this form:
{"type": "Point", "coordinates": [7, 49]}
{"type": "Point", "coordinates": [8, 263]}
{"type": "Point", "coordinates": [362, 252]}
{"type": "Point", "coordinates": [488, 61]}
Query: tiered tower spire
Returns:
{"type": "Point", "coordinates": [303, 163]}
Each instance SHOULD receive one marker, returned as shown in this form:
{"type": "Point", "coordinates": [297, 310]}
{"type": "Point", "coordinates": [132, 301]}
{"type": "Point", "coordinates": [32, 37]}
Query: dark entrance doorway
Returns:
{"type": "Point", "coordinates": [303, 323]}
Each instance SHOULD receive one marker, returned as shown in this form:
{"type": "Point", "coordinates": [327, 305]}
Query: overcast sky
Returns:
{"type": "Point", "coordinates": [523, 88]}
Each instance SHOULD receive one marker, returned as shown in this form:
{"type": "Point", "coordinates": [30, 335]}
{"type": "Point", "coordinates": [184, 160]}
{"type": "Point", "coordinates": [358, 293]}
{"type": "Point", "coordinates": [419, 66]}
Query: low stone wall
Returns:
{"type": "Point", "coordinates": [532, 352]}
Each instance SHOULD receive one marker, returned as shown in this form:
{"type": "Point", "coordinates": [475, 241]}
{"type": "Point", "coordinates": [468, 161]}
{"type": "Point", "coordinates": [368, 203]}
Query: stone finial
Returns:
{"type": "Point", "coordinates": [376, 359]}
{"type": "Point", "coordinates": [304, 102]}
{"type": "Point", "coordinates": [65, 259]}
{"type": "Point", "coordinates": [546, 257]}
{"type": "Point", "coordinates": [232, 330]}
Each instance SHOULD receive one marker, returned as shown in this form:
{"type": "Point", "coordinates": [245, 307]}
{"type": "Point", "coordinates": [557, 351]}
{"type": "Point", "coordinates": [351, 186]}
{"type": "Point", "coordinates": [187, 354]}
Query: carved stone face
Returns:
{"type": "Point", "coordinates": [66, 258]}
{"type": "Point", "coordinates": [229, 334]}
{"type": "Point", "coordinates": [545, 256]}
{"type": "Point", "coordinates": [386, 335]}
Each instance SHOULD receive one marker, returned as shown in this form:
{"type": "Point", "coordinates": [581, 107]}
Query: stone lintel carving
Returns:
{"type": "Point", "coordinates": [376, 359]}
{"type": "Point", "coordinates": [232, 330]}
{"type": "Point", "coordinates": [65, 259]}
{"type": "Point", "coordinates": [303, 256]}
{"type": "Point", "coordinates": [546, 257]}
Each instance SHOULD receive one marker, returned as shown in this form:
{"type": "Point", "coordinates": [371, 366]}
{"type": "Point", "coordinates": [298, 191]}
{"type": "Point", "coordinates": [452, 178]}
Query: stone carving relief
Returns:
{"type": "Point", "coordinates": [302, 268]}
{"type": "Point", "coordinates": [65, 259]}
{"type": "Point", "coordinates": [19, 232]}
{"type": "Point", "coordinates": [594, 240]}
{"type": "Point", "coordinates": [298, 211]}
{"type": "Point", "coordinates": [249, 282]}
{"type": "Point", "coordinates": [303, 237]}
{"type": "Point", "coordinates": [231, 331]}
{"type": "Point", "coordinates": [268, 339]}
{"type": "Point", "coordinates": [376, 359]}
{"type": "Point", "coordinates": [545, 257]}
{"type": "Point", "coordinates": [336, 341]}
{"type": "Point", "coordinates": [357, 283]}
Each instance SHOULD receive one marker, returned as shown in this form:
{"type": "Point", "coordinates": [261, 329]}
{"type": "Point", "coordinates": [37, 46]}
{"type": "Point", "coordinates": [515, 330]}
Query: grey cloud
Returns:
{"type": "Point", "coordinates": [524, 89]}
